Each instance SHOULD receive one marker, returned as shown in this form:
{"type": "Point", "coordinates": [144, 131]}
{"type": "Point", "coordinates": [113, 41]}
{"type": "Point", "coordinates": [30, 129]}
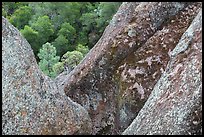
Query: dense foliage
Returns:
{"type": "Point", "coordinates": [71, 27]}
{"type": "Point", "coordinates": [48, 59]}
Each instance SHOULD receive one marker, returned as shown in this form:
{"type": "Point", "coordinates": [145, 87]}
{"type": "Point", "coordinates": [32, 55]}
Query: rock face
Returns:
{"type": "Point", "coordinates": [31, 102]}
{"type": "Point", "coordinates": [117, 76]}
{"type": "Point", "coordinates": [142, 77]}
{"type": "Point", "coordinates": [139, 72]}
{"type": "Point", "coordinates": [175, 104]}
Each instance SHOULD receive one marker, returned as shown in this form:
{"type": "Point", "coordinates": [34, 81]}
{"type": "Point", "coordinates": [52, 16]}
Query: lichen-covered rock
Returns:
{"type": "Point", "coordinates": [32, 103]}
{"type": "Point", "coordinates": [175, 105]}
{"type": "Point", "coordinates": [130, 57]}
{"type": "Point", "coordinates": [117, 77]}
{"type": "Point", "coordinates": [139, 72]}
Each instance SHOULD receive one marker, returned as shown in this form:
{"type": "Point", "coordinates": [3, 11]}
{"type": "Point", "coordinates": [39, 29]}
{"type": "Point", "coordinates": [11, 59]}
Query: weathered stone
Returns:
{"type": "Point", "coordinates": [140, 47]}
{"type": "Point", "coordinates": [97, 82]}
{"type": "Point", "coordinates": [175, 105]}
{"type": "Point", "coordinates": [31, 102]}
{"type": "Point", "coordinates": [139, 72]}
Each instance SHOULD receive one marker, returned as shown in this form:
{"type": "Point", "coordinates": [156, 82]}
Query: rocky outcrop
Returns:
{"type": "Point", "coordinates": [117, 76]}
{"type": "Point", "coordinates": [175, 104]}
{"type": "Point", "coordinates": [144, 74]}
{"type": "Point", "coordinates": [139, 72]}
{"type": "Point", "coordinates": [31, 102]}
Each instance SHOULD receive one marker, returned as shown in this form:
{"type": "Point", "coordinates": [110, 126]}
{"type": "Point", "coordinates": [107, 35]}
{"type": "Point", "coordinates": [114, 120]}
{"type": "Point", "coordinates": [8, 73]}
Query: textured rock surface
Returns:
{"type": "Point", "coordinates": [140, 59]}
{"type": "Point", "coordinates": [139, 72]}
{"type": "Point", "coordinates": [175, 104]}
{"type": "Point", "coordinates": [118, 74]}
{"type": "Point", "coordinates": [31, 102]}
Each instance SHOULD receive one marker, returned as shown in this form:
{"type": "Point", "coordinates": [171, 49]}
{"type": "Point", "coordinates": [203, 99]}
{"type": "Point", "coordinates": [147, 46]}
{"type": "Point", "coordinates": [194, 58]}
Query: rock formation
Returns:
{"type": "Point", "coordinates": [143, 76]}
{"type": "Point", "coordinates": [32, 103]}
{"type": "Point", "coordinates": [175, 104]}
{"type": "Point", "coordinates": [115, 79]}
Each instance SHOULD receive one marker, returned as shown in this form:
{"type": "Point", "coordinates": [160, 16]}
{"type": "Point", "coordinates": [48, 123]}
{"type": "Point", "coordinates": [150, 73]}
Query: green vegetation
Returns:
{"type": "Point", "coordinates": [71, 59]}
{"type": "Point", "coordinates": [31, 35]}
{"type": "Point", "coordinates": [70, 29]}
{"type": "Point", "coordinates": [21, 17]}
{"type": "Point", "coordinates": [83, 49]}
{"type": "Point", "coordinates": [48, 59]}
{"type": "Point", "coordinates": [58, 67]}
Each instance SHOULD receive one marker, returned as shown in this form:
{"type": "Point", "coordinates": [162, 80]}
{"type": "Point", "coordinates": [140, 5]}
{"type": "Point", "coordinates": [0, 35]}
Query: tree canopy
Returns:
{"type": "Point", "coordinates": [68, 26]}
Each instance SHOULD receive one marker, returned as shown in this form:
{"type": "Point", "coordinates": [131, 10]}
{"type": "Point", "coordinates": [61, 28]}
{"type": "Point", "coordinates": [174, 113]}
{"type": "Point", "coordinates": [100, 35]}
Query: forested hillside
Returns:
{"type": "Point", "coordinates": [60, 33]}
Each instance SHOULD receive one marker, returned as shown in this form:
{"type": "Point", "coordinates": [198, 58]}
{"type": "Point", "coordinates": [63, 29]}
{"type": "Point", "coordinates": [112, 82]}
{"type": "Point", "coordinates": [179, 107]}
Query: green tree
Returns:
{"type": "Point", "coordinates": [44, 28]}
{"type": "Point", "coordinates": [68, 31]}
{"type": "Point", "coordinates": [95, 20]}
{"type": "Point", "coordinates": [65, 40]}
{"type": "Point", "coordinates": [83, 38]}
{"type": "Point", "coordinates": [83, 49]}
{"type": "Point", "coordinates": [10, 7]}
{"type": "Point", "coordinates": [21, 17]}
{"type": "Point", "coordinates": [72, 59]}
{"type": "Point", "coordinates": [48, 59]}
{"type": "Point", "coordinates": [89, 29]}
{"type": "Point", "coordinates": [88, 21]}
{"type": "Point", "coordinates": [4, 13]}
{"type": "Point", "coordinates": [50, 9]}
{"type": "Point", "coordinates": [58, 68]}
{"type": "Point", "coordinates": [105, 11]}
{"type": "Point", "coordinates": [62, 45]}
{"type": "Point", "coordinates": [58, 12]}
{"type": "Point", "coordinates": [72, 12]}
{"type": "Point", "coordinates": [31, 36]}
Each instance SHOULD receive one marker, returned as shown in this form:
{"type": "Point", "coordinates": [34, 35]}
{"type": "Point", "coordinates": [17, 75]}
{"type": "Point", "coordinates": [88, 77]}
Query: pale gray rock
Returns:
{"type": "Point", "coordinates": [32, 103]}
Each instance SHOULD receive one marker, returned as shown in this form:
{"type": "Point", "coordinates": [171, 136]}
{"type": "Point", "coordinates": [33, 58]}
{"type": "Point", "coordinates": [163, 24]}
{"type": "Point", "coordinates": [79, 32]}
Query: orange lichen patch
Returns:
{"type": "Point", "coordinates": [12, 71]}
{"type": "Point", "coordinates": [101, 105]}
{"type": "Point", "coordinates": [45, 131]}
{"type": "Point", "coordinates": [23, 113]}
{"type": "Point", "coordinates": [24, 130]}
